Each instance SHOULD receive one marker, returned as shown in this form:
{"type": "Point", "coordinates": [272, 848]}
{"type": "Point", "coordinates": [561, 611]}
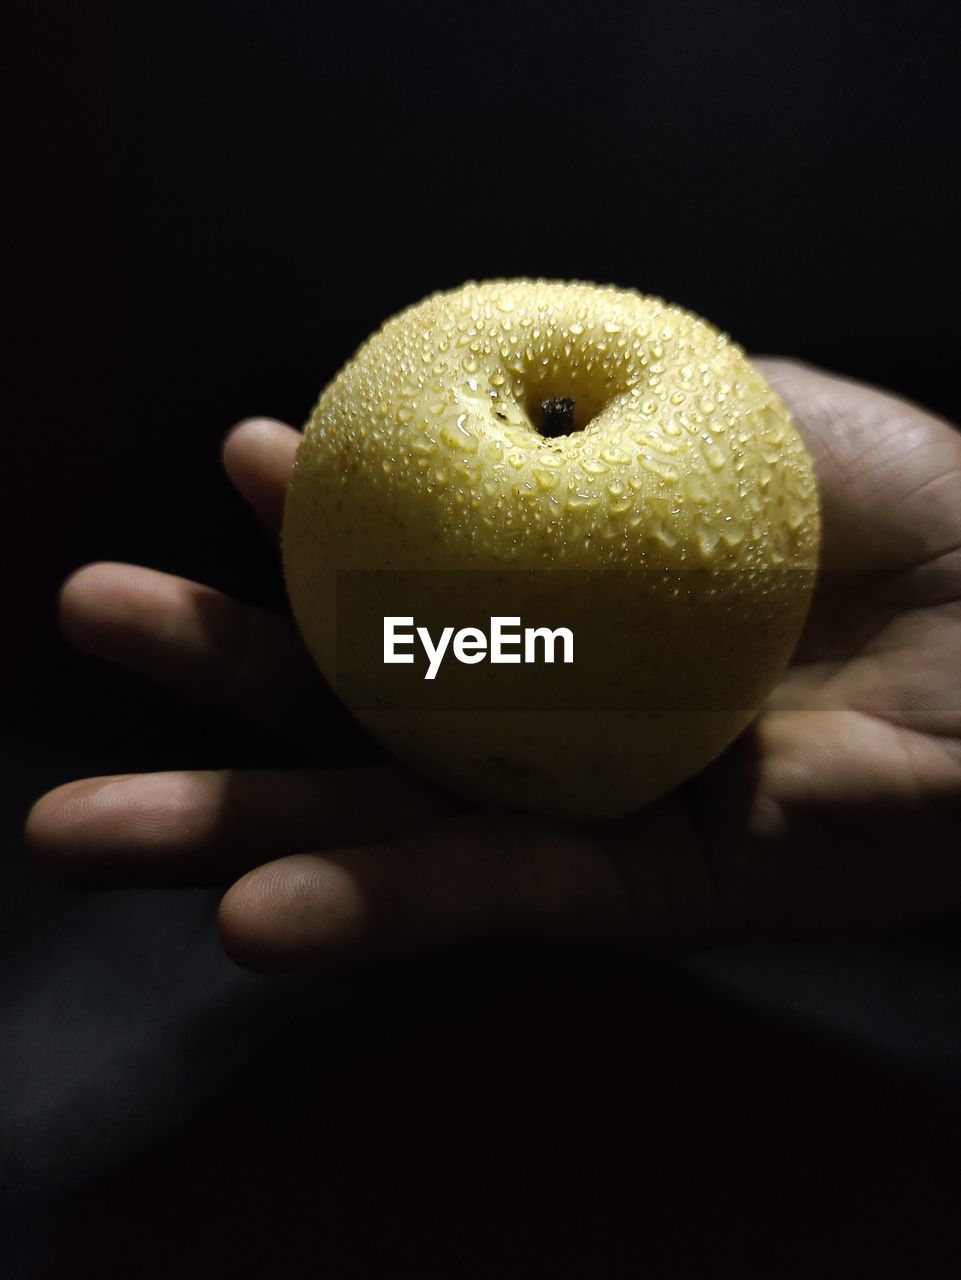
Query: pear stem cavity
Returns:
{"type": "Point", "coordinates": [557, 417]}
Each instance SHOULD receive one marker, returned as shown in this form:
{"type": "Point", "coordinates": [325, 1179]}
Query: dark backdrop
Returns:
{"type": "Point", "coordinates": [223, 199]}
{"type": "Point", "coordinates": [211, 205]}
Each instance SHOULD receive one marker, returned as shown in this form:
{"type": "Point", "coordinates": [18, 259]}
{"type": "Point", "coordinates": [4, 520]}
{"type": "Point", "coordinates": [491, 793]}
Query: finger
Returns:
{"type": "Point", "coordinates": [477, 875]}
{"type": "Point", "coordinates": [208, 827]}
{"type": "Point", "coordinates": [258, 455]}
{"type": "Point", "coordinates": [196, 641]}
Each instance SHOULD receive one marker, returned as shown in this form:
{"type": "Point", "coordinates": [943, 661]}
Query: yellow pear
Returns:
{"type": "Point", "coordinates": [585, 460]}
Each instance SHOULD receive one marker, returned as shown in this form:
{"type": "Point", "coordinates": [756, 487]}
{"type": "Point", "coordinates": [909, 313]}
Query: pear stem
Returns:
{"type": "Point", "coordinates": [557, 416]}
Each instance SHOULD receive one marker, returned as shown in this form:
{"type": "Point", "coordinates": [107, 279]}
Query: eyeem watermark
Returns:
{"type": "Point", "coordinates": [470, 645]}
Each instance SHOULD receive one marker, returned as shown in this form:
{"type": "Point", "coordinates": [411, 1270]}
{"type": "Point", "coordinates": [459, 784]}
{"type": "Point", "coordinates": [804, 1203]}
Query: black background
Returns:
{"type": "Point", "coordinates": [212, 204]}
{"type": "Point", "coordinates": [219, 201]}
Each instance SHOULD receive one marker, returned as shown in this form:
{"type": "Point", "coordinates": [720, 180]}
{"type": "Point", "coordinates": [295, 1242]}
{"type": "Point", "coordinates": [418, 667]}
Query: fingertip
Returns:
{"type": "Point", "coordinates": [247, 429]}
{"type": "Point", "coordinates": [84, 585]}
{"type": "Point", "coordinates": [258, 455]}
{"type": "Point", "coordinates": [50, 829]}
{"type": "Point", "coordinates": [296, 913]}
{"type": "Point", "coordinates": [253, 438]}
{"type": "Point", "coordinates": [94, 601]}
{"type": "Point", "coordinates": [237, 924]}
{"type": "Point", "coordinates": [36, 826]}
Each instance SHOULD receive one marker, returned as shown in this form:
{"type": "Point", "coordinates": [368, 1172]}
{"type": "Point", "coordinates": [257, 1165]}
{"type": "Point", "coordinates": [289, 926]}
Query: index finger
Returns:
{"type": "Point", "coordinates": [258, 454]}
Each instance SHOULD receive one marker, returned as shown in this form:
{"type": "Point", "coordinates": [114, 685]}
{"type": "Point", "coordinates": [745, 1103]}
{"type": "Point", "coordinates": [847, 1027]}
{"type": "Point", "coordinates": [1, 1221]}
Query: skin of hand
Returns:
{"type": "Point", "coordinates": [836, 813]}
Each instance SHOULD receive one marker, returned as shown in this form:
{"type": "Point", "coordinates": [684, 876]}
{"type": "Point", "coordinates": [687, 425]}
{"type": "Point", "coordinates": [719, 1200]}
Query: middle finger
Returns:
{"type": "Point", "coordinates": [210, 826]}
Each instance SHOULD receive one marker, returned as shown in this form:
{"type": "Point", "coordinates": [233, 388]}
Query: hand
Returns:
{"type": "Point", "coordinates": [837, 811]}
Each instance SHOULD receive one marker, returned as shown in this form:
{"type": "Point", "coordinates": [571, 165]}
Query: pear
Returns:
{"type": "Point", "coordinates": [560, 455]}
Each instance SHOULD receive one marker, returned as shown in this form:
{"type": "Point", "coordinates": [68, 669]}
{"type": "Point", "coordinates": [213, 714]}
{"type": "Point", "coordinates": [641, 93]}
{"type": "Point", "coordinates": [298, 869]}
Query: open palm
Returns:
{"type": "Point", "coordinates": [837, 811]}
